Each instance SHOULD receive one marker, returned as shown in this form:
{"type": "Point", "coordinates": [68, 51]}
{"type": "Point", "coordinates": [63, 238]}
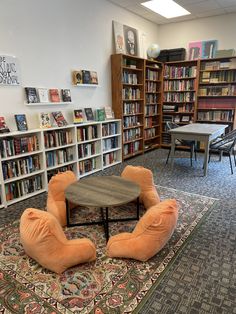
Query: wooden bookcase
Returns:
{"type": "Point", "coordinates": [153, 104]}
{"type": "Point", "coordinates": [180, 81]}
{"type": "Point", "coordinates": [217, 91]}
{"type": "Point", "coordinates": [128, 86]}
{"type": "Point", "coordinates": [136, 100]}
{"type": "Point", "coordinates": [29, 159]}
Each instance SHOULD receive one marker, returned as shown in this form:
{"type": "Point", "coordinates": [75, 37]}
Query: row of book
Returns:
{"type": "Point", "coordinates": [45, 95]}
{"type": "Point", "coordinates": [131, 121]}
{"type": "Point", "coordinates": [152, 98]}
{"type": "Point", "coordinates": [87, 133]}
{"type": "Point", "coordinates": [216, 115]}
{"type": "Point", "coordinates": [222, 90]}
{"type": "Point", "coordinates": [89, 149]}
{"type": "Point", "coordinates": [131, 93]}
{"type": "Point", "coordinates": [179, 85]}
{"type": "Point", "coordinates": [60, 156]}
{"type": "Point", "coordinates": [19, 167]}
{"type": "Point", "coordinates": [88, 165]}
{"type": "Point", "coordinates": [132, 148]}
{"type": "Point", "coordinates": [18, 145]}
{"type": "Point", "coordinates": [152, 87]}
{"type": "Point", "coordinates": [56, 118]}
{"type": "Point", "coordinates": [129, 78]}
{"type": "Point", "coordinates": [132, 107]}
{"type": "Point", "coordinates": [84, 77]}
{"type": "Point", "coordinates": [174, 72]}
{"type": "Point", "coordinates": [52, 172]}
{"type": "Point", "coordinates": [110, 158]}
{"type": "Point", "coordinates": [150, 122]}
{"type": "Point", "coordinates": [150, 133]}
{"type": "Point", "coordinates": [218, 65]}
{"type": "Point", "coordinates": [152, 75]}
{"type": "Point", "coordinates": [109, 129]}
{"type": "Point", "coordinates": [110, 143]}
{"type": "Point", "coordinates": [218, 77]}
{"type": "Point", "coordinates": [151, 110]}
{"type": "Point", "coordinates": [57, 138]}
{"type": "Point", "coordinates": [23, 187]}
{"type": "Point", "coordinates": [131, 134]}
{"type": "Point", "coordinates": [179, 97]}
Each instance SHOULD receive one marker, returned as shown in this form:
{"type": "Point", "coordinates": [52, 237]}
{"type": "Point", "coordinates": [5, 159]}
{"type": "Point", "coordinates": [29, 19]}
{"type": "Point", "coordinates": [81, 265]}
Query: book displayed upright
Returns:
{"type": "Point", "coordinates": [77, 77]}
{"type": "Point", "coordinates": [59, 118]}
{"type": "Point", "coordinates": [3, 127]}
{"type": "Point", "coordinates": [31, 95]}
{"type": "Point", "coordinates": [66, 95]}
{"type": "Point", "coordinates": [100, 114]}
{"type": "Point", "coordinates": [78, 116]}
{"type": "Point", "coordinates": [54, 95]}
{"type": "Point", "coordinates": [45, 120]}
{"type": "Point", "coordinates": [86, 77]}
{"type": "Point", "coordinates": [21, 122]}
{"type": "Point", "coordinates": [109, 114]}
{"type": "Point", "coordinates": [89, 114]}
{"type": "Point", "coordinates": [93, 77]}
{"type": "Point", "coordinates": [43, 95]}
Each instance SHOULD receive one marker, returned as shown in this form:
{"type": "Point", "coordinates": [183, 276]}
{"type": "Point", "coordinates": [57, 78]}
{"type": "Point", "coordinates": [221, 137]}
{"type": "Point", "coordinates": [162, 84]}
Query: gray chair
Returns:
{"type": "Point", "coordinates": [224, 145]}
{"type": "Point", "coordinates": [191, 145]}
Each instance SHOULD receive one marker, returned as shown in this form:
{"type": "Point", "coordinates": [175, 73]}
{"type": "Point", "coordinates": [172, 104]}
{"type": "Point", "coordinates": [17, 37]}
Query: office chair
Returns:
{"type": "Point", "coordinates": [190, 144]}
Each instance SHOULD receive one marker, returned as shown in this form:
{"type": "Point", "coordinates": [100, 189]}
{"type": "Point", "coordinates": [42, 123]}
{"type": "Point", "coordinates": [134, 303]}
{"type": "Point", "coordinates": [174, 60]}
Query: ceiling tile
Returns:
{"type": "Point", "coordinates": [211, 13]}
{"type": "Point", "coordinates": [202, 6]}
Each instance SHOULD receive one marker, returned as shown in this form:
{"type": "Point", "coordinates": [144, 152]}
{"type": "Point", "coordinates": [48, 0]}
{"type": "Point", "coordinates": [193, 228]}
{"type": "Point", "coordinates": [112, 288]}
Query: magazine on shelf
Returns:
{"type": "Point", "coordinates": [86, 77]}
{"type": "Point", "coordinates": [109, 114]}
{"type": "Point", "coordinates": [45, 120]}
{"type": "Point", "coordinates": [21, 122]}
{"type": "Point", "coordinates": [66, 95]}
{"type": "Point", "coordinates": [78, 116]}
{"type": "Point", "coordinates": [93, 78]}
{"type": "Point", "coordinates": [89, 114]}
{"type": "Point", "coordinates": [54, 95]}
{"type": "Point", "coordinates": [77, 77]}
{"type": "Point", "coordinates": [59, 118]}
{"type": "Point", "coordinates": [100, 114]}
{"type": "Point", "coordinates": [3, 127]}
{"type": "Point", "coordinates": [31, 95]}
{"type": "Point", "coordinates": [43, 95]}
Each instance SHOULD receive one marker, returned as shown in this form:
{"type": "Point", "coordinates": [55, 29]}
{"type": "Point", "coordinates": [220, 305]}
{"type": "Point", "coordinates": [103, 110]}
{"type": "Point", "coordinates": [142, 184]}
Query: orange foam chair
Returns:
{"type": "Point", "coordinates": [43, 239]}
{"type": "Point", "coordinates": [56, 202]}
{"type": "Point", "coordinates": [150, 235]}
{"type": "Point", "coordinates": [144, 177]}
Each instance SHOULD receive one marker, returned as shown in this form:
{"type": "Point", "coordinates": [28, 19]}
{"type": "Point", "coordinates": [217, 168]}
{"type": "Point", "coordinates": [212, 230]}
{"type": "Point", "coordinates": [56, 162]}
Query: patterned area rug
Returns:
{"type": "Point", "coordinates": [105, 286]}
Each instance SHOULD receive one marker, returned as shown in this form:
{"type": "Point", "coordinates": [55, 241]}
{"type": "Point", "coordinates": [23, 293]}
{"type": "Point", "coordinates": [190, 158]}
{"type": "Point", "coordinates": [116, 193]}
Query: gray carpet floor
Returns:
{"type": "Point", "coordinates": [202, 279]}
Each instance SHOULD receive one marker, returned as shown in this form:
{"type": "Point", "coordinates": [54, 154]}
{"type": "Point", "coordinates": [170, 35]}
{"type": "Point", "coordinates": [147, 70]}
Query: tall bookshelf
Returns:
{"type": "Point", "coordinates": [153, 104]}
{"type": "Point", "coordinates": [29, 159]}
{"type": "Point", "coordinates": [217, 91]}
{"type": "Point", "coordinates": [128, 92]}
{"type": "Point", "coordinates": [180, 81]}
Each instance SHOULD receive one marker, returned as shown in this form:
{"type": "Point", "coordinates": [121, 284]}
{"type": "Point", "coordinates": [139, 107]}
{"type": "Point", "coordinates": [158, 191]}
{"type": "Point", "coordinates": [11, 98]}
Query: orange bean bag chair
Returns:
{"type": "Point", "coordinates": [56, 202]}
{"type": "Point", "coordinates": [144, 177]}
{"type": "Point", "coordinates": [150, 235]}
{"type": "Point", "coordinates": [43, 239]}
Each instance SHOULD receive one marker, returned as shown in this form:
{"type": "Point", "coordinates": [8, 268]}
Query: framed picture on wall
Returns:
{"type": "Point", "coordinates": [131, 40]}
{"type": "Point", "coordinates": [194, 50]}
{"type": "Point", "coordinates": [209, 48]}
{"type": "Point", "coordinates": [118, 37]}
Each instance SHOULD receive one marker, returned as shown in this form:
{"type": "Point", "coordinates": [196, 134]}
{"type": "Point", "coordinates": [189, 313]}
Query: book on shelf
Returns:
{"type": "Point", "coordinates": [66, 95]}
{"type": "Point", "coordinates": [3, 127]}
{"type": "Point", "coordinates": [86, 77]}
{"type": "Point", "coordinates": [21, 122]}
{"type": "Point", "coordinates": [77, 77]}
{"type": "Point", "coordinates": [59, 118]}
{"type": "Point", "coordinates": [43, 95]}
{"type": "Point", "coordinates": [93, 77]}
{"type": "Point", "coordinates": [54, 95]}
{"type": "Point", "coordinates": [31, 95]}
{"type": "Point", "coordinates": [89, 114]}
{"type": "Point", "coordinates": [45, 120]}
{"type": "Point", "coordinates": [109, 114]}
{"type": "Point", "coordinates": [100, 114]}
{"type": "Point", "coordinates": [78, 116]}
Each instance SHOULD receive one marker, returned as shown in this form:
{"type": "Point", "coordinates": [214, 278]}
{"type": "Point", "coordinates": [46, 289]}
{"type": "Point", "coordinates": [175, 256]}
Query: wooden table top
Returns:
{"type": "Point", "coordinates": [103, 191]}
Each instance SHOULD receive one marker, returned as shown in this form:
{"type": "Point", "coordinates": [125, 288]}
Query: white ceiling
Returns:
{"type": "Point", "coordinates": [197, 8]}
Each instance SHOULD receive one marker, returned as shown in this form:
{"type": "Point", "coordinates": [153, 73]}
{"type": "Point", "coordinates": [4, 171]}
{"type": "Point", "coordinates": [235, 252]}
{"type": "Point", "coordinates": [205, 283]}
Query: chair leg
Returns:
{"type": "Point", "coordinates": [234, 158]}
{"type": "Point", "coordinates": [220, 157]}
{"type": "Point", "coordinates": [191, 156]}
{"type": "Point", "coordinates": [231, 164]}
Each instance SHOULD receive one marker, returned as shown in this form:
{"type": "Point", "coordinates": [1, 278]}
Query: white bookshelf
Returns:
{"type": "Point", "coordinates": [28, 159]}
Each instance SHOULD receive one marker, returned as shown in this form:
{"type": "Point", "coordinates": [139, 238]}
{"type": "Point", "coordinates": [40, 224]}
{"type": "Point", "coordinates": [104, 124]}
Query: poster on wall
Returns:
{"type": "Point", "coordinates": [209, 48]}
{"type": "Point", "coordinates": [194, 50]}
{"type": "Point", "coordinates": [126, 39]}
{"type": "Point", "coordinates": [9, 70]}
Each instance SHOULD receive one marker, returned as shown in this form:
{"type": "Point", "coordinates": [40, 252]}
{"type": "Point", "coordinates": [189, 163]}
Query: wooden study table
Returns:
{"type": "Point", "coordinates": [102, 192]}
{"type": "Point", "coordinates": [204, 132]}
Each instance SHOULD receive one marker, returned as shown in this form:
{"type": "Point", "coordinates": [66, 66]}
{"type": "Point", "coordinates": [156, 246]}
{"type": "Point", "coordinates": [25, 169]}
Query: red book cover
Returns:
{"type": "Point", "coordinates": [54, 95]}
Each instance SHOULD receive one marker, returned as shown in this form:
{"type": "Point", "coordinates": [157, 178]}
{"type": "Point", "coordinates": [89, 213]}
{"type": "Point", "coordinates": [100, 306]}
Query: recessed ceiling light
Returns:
{"type": "Point", "coordinates": [166, 8]}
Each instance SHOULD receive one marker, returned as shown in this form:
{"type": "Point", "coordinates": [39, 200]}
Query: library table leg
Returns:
{"type": "Point", "coordinates": [172, 150]}
{"type": "Point", "coordinates": [206, 157]}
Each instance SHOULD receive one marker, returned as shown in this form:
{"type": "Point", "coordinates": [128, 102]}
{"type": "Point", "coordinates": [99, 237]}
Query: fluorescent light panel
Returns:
{"type": "Point", "coordinates": [166, 8]}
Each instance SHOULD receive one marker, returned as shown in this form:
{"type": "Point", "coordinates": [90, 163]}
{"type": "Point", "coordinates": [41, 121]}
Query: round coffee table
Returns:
{"type": "Point", "coordinates": [102, 192]}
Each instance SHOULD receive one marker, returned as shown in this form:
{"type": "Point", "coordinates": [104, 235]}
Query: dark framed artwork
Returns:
{"type": "Point", "coordinates": [131, 40]}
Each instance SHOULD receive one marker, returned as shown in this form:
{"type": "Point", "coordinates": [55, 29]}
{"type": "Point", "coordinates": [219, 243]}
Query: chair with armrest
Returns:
{"type": "Point", "coordinates": [189, 144]}
{"type": "Point", "coordinates": [224, 145]}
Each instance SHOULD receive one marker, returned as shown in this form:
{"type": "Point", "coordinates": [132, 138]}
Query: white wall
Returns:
{"type": "Point", "coordinates": [51, 38]}
{"type": "Point", "coordinates": [178, 35]}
